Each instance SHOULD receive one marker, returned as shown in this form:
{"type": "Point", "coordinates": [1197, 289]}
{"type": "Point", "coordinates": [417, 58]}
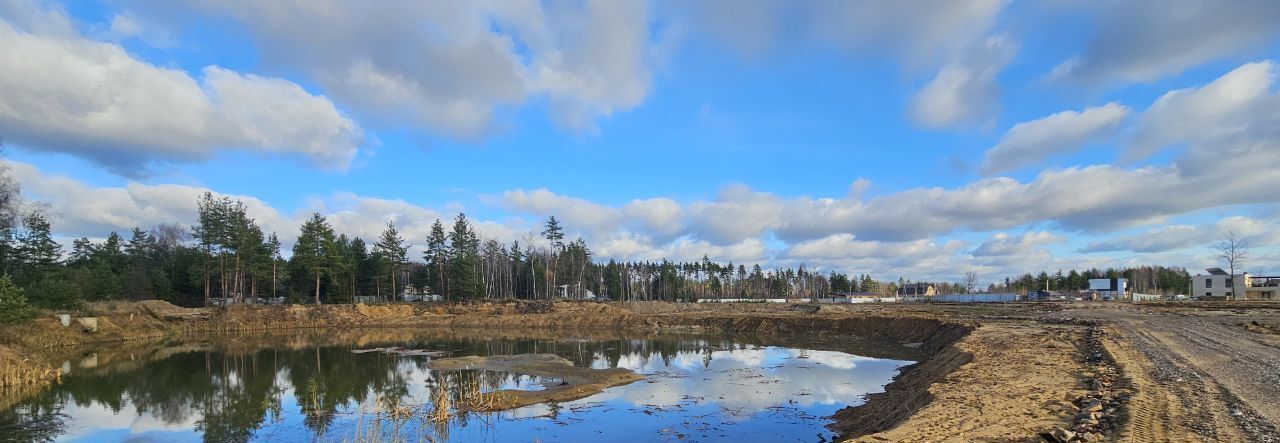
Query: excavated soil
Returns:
{"type": "Point", "coordinates": [576, 382]}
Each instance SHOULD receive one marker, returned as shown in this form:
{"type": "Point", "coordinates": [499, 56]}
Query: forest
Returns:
{"type": "Point", "coordinates": [226, 257]}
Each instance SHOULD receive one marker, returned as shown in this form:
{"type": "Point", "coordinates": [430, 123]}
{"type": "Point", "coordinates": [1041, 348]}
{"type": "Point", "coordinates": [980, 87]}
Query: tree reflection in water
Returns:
{"type": "Point", "coordinates": [231, 392]}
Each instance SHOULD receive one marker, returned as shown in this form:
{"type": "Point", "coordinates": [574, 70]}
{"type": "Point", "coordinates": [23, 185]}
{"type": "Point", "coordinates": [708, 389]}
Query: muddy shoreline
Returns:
{"type": "Point", "coordinates": [984, 372]}
{"type": "Point", "coordinates": [44, 342]}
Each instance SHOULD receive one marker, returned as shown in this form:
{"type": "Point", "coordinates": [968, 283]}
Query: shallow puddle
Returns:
{"type": "Point", "coordinates": [697, 388]}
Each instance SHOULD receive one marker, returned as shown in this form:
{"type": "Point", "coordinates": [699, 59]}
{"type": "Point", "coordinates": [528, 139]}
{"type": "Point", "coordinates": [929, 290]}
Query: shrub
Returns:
{"type": "Point", "coordinates": [13, 304]}
{"type": "Point", "coordinates": [55, 293]}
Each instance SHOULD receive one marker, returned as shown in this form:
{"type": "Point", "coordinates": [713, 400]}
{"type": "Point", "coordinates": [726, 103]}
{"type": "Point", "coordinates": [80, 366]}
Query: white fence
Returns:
{"type": "Point", "coordinates": [248, 301]}
{"type": "Point", "coordinates": [405, 297]}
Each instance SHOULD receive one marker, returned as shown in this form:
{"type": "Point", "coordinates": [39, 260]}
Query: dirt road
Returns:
{"type": "Point", "coordinates": [1200, 373]}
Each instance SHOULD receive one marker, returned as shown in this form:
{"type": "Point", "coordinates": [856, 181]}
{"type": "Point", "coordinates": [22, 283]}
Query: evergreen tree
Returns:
{"type": "Point", "coordinates": [554, 233]}
{"type": "Point", "coordinates": [314, 251]}
{"type": "Point", "coordinates": [464, 278]}
{"type": "Point", "coordinates": [437, 258]}
{"type": "Point", "coordinates": [613, 280]}
{"type": "Point", "coordinates": [393, 252]}
{"type": "Point", "coordinates": [365, 268]}
{"type": "Point", "coordinates": [13, 303]}
{"type": "Point", "coordinates": [37, 253]}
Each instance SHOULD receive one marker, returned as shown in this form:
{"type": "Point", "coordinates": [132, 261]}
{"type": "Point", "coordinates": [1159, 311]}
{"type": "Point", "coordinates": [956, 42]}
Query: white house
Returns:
{"type": "Point", "coordinates": [1218, 283]}
{"type": "Point", "coordinates": [569, 291]}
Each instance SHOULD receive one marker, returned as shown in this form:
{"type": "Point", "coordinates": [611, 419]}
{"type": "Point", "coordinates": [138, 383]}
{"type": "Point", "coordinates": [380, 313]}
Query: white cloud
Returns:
{"type": "Point", "coordinates": [94, 100]}
{"type": "Point", "coordinates": [738, 213]}
{"type": "Point", "coordinates": [965, 91]}
{"type": "Point", "coordinates": [921, 34]}
{"type": "Point", "coordinates": [37, 17]}
{"type": "Point", "coordinates": [575, 214]}
{"type": "Point", "coordinates": [126, 26]}
{"type": "Point", "coordinates": [1029, 142]}
{"type": "Point", "coordinates": [80, 209]}
{"type": "Point", "coordinates": [452, 65]}
{"type": "Point", "coordinates": [1004, 244]}
{"type": "Point", "coordinates": [1236, 106]}
{"type": "Point", "coordinates": [1145, 40]}
{"type": "Point", "coordinates": [919, 31]}
{"type": "Point", "coordinates": [659, 216]}
{"type": "Point", "coordinates": [1255, 232]}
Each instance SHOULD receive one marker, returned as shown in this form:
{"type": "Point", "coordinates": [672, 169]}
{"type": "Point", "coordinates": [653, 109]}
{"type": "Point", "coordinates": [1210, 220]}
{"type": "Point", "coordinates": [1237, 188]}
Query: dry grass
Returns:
{"type": "Point", "coordinates": [25, 372]}
{"type": "Point", "coordinates": [472, 397]}
{"type": "Point", "coordinates": [385, 418]}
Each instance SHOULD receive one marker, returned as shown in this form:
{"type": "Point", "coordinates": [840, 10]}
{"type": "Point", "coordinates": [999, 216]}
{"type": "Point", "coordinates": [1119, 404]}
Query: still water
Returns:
{"type": "Point", "coordinates": [697, 388]}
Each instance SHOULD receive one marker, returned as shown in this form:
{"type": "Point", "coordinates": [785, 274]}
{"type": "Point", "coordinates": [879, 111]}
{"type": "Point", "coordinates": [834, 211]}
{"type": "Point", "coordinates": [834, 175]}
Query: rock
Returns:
{"type": "Point", "coordinates": [1092, 406]}
{"type": "Point", "coordinates": [88, 324]}
{"type": "Point", "coordinates": [65, 319]}
{"type": "Point", "coordinates": [1063, 435]}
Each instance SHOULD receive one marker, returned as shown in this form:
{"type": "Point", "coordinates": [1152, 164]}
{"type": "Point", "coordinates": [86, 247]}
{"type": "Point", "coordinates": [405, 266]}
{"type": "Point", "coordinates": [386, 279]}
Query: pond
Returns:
{"type": "Point", "coordinates": [696, 388]}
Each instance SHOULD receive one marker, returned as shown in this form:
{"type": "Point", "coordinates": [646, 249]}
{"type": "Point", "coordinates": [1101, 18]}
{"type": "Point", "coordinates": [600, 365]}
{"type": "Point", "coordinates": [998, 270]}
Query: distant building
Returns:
{"type": "Point", "coordinates": [1218, 283]}
{"type": "Point", "coordinates": [854, 297]}
{"type": "Point", "coordinates": [916, 289]}
{"type": "Point", "coordinates": [1109, 288]}
{"type": "Point", "coordinates": [570, 291]}
{"type": "Point", "coordinates": [1042, 295]}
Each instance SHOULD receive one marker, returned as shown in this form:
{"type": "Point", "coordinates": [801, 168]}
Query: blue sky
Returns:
{"type": "Point", "coordinates": [920, 139]}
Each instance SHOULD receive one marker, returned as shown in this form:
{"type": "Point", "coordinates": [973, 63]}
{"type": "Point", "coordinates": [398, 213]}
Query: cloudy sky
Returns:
{"type": "Point", "coordinates": [920, 139]}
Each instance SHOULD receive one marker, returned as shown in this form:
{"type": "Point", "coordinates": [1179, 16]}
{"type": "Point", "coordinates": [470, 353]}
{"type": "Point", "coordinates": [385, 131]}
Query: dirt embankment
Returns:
{"type": "Point", "coordinates": [975, 379]}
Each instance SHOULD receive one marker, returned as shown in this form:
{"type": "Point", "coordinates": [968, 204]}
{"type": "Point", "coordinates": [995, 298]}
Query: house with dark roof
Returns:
{"type": "Point", "coordinates": [916, 289]}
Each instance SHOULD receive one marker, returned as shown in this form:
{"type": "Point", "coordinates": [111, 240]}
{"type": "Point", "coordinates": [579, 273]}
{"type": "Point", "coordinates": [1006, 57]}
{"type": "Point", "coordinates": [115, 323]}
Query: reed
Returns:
{"type": "Point", "coordinates": [473, 397]}
{"type": "Point", "coordinates": [25, 372]}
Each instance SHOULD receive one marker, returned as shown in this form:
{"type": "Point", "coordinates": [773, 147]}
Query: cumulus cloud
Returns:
{"type": "Point", "coordinates": [1005, 244]}
{"type": "Point", "coordinates": [1147, 40]}
{"type": "Point", "coordinates": [452, 65]}
{"type": "Point", "coordinates": [37, 17]}
{"type": "Point", "coordinates": [965, 91]}
{"type": "Point", "coordinates": [1235, 107]}
{"type": "Point", "coordinates": [737, 213]}
{"type": "Point", "coordinates": [628, 231]}
{"type": "Point", "coordinates": [574, 213]}
{"type": "Point", "coordinates": [81, 209]}
{"type": "Point", "coordinates": [1029, 142]}
{"type": "Point", "coordinates": [1256, 232]}
{"type": "Point", "coordinates": [918, 30]}
{"type": "Point", "coordinates": [921, 34]}
{"type": "Point", "coordinates": [94, 100]}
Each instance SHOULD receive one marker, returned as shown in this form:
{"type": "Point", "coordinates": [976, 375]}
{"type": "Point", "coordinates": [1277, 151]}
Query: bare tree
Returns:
{"type": "Point", "coordinates": [1231, 249]}
{"type": "Point", "coordinates": [970, 281]}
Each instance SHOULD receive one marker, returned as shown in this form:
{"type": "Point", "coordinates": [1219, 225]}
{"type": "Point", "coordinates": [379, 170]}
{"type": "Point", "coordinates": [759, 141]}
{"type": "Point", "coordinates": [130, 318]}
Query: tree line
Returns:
{"type": "Point", "coordinates": [227, 257]}
{"type": "Point", "coordinates": [1142, 279]}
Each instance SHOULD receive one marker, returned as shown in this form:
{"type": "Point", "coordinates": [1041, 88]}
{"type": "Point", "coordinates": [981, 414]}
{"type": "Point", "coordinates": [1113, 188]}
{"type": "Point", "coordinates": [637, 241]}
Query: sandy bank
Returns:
{"type": "Point", "coordinates": [974, 380]}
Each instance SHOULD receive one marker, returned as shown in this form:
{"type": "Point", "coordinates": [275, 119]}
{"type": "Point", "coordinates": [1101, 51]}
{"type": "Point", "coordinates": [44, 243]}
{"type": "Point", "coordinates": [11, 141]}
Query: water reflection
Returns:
{"type": "Point", "coordinates": [706, 388]}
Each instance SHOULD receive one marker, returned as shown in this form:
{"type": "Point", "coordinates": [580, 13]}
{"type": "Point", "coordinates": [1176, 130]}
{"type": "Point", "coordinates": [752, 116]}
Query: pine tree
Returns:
{"type": "Point", "coordinates": [437, 258]}
{"type": "Point", "coordinates": [555, 235]}
{"type": "Point", "coordinates": [314, 251]}
{"type": "Point", "coordinates": [13, 303]}
{"type": "Point", "coordinates": [137, 253]}
{"type": "Point", "coordinates": [37, 253]}
{"type": "Point", "coordinates": [464, 280]}
{"type": "Point", "coordinates": [393, 251]}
